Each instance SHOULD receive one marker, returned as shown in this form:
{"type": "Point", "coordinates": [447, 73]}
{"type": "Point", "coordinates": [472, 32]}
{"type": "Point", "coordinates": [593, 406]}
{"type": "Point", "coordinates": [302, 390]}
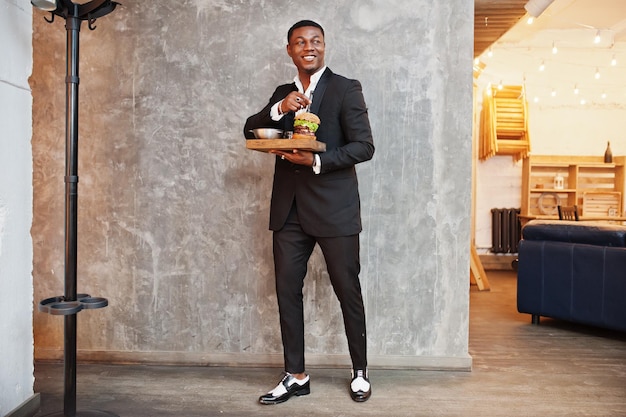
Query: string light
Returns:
{"type": "Point", "coordinates": [583, 101]}
{"type": "Point", "coordinates": [600, 36]}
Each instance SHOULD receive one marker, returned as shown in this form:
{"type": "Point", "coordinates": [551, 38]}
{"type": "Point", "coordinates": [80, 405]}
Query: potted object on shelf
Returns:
{"type": "Point", "coordinates": [608, 155]}
{"type": "Point", "coordinates": [558, 181]}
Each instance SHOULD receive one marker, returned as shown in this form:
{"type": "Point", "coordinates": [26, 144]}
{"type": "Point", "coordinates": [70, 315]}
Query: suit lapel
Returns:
{"type": "Point", "coordinates": [318, 94]}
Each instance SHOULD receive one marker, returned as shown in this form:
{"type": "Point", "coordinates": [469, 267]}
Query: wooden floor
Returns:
{"type": "Point", "coordinates": [552, 370]}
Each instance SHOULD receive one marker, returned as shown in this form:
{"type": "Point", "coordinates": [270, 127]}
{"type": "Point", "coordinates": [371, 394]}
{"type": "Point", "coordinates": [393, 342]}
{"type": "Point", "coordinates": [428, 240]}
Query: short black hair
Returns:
{"type": "Point", "coordinates": [301, 24]}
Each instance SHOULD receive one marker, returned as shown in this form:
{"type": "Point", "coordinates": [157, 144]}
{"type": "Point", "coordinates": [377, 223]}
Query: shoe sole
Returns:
{"type": "Point", "coordinates": [361, 399]}
{"type": "Point", "coordinates": [304, 391]}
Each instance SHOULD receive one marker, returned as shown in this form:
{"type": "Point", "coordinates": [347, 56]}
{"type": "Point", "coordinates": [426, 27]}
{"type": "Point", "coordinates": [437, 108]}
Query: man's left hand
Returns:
{"type": "Point", "coordinates": [296, 156]}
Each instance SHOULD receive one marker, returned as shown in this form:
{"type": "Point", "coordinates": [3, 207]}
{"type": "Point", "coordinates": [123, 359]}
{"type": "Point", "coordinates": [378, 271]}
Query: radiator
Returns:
{"type": "Point", "coordinates": [506, 230]}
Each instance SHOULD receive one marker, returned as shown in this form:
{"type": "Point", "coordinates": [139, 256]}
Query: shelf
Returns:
{"type": "Point", "coordinates": [609, 165]}
{"type": "Point", "coordinates": [582, 218]}
{"type": "Point", "coordinates": [569, 164]}
{"type": "Point", "coordinates": [553, 190]}
{"type": "Point", "coordinates": [602, 183]}
{"type": "Point", "coordinates": [566, 160]}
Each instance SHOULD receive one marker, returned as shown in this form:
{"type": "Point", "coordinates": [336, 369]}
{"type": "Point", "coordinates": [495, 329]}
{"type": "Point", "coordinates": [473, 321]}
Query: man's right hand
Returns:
{"type": "Point", "coordinates": [294, 102]}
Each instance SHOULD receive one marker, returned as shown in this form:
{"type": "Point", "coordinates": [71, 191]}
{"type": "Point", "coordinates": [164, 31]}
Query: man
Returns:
{"type": "Point", "coordinates": [315, 199]}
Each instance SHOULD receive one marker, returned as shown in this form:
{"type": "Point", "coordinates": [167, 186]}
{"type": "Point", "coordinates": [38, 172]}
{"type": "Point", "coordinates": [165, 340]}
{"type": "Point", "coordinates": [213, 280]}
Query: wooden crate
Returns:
{"type": "Point", "coordinates": [602, 203]}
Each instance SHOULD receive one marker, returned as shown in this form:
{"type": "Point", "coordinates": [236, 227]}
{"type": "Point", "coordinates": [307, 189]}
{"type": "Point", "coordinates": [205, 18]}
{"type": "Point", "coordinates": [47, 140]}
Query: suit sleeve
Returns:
{"type": "Point", "coordinates": [358, 143]}
{"type": "Point", "coordinates": [263, 118]}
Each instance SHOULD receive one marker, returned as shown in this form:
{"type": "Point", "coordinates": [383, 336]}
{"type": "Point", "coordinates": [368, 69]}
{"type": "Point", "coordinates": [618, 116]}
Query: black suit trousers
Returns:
{"type": "Point", "coordinates": [292, 250]}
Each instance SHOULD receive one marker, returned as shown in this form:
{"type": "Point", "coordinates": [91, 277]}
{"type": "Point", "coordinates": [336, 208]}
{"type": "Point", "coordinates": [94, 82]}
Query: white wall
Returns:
{"type": "Point", "coordinates": [564, 129]}
{"type": "Point", "coordinates": [16, 284]}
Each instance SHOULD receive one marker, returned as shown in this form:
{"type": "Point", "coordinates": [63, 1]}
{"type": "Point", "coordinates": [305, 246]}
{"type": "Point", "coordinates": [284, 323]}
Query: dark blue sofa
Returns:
{"type": "Point", "coordinates": [574, 271]}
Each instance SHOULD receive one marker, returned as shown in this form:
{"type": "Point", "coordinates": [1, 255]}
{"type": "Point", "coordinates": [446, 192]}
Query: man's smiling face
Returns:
{"type": "Point", "coordinates": [306, 49]}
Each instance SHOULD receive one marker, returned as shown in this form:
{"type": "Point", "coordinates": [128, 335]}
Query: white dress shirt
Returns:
{"type": "Point", "coordinates": [276, 115]}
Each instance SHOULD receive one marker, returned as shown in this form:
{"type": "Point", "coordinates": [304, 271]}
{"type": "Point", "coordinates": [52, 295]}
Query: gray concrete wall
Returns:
{"type": "Point", "coordinates": [174, 210]}
{"type": "Point", "coordinates": [16, 199]}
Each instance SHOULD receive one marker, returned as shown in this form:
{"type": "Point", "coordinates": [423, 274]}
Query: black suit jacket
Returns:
{"type": "Point", "coordinates": [328, 204]}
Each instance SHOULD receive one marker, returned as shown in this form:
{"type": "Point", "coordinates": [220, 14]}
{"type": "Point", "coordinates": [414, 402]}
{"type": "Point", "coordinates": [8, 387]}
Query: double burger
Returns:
{"type": "Point", "coordinates": [305, 125]}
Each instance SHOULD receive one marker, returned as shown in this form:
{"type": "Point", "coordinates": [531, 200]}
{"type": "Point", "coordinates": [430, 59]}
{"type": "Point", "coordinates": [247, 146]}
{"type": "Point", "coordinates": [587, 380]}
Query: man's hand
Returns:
{"type": "Point", "coordinates": [296, 156]}
{"type": "Point", "coordinates": [294, 102]}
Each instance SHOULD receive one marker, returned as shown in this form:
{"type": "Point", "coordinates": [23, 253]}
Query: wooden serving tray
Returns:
{"type": "Point", "coordinates": [265, 145]}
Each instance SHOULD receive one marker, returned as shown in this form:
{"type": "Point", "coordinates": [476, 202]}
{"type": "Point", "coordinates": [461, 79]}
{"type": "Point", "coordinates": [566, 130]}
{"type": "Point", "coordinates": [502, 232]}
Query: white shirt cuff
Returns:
{"type": "Point", "coordinates": [317, 164]}
{"type": "Point", "coordinates": [274, 113]}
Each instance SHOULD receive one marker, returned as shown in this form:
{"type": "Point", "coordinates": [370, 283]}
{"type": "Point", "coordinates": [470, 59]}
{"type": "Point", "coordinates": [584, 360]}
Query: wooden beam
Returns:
{"type": "Point", "coordinates": [477, 272]}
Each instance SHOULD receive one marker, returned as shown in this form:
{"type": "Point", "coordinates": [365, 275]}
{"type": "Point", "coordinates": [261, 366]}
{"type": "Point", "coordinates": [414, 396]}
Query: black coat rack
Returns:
{"type": "Point", "coordinates": [71, 303]}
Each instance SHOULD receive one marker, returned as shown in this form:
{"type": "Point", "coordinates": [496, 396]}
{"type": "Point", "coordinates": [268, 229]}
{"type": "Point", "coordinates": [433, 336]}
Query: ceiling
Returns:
{"type": "Point", "coordinates": [492, 19]}
{"type": "Point", "coordinates": [518, 50]}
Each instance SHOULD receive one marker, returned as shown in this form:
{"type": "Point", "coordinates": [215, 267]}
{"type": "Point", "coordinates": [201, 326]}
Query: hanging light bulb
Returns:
{"type": "Point", "coordinates": [553, 93]}
{"type": "Point", "coordinates": [536, 99]}
{"type": "Point", "coordinates": [555, 50]}
{"type": "Point", "coordinates": [603, 95]}
{"type": "Point", "coordinates": [575, 89]}
{"type": "Point", "coordinates": [613, 61]}
{"type": "Point", "coordinates": [500, 86]}
{"type": "Point", "coordinates": [530, 20]}
{"type": "Point", "coordinates": [542, 66]}
{"type": "Point", "coordinates": [597, 76]}
{"type": "Point", "coordinates": [583, 101]}
{"type": "Point", "coordinates": [476, 61]}
{"type": "Point", "coordinates": [598, 38]}
{"type": "Point", "coordinates": [489, 53]}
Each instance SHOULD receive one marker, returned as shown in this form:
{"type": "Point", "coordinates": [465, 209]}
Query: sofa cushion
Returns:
{"type": "Point", "coordinates": [590, 233]}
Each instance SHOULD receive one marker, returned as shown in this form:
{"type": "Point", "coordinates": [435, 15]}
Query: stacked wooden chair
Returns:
{"type": "Point", "coordinates": [504, 123]}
